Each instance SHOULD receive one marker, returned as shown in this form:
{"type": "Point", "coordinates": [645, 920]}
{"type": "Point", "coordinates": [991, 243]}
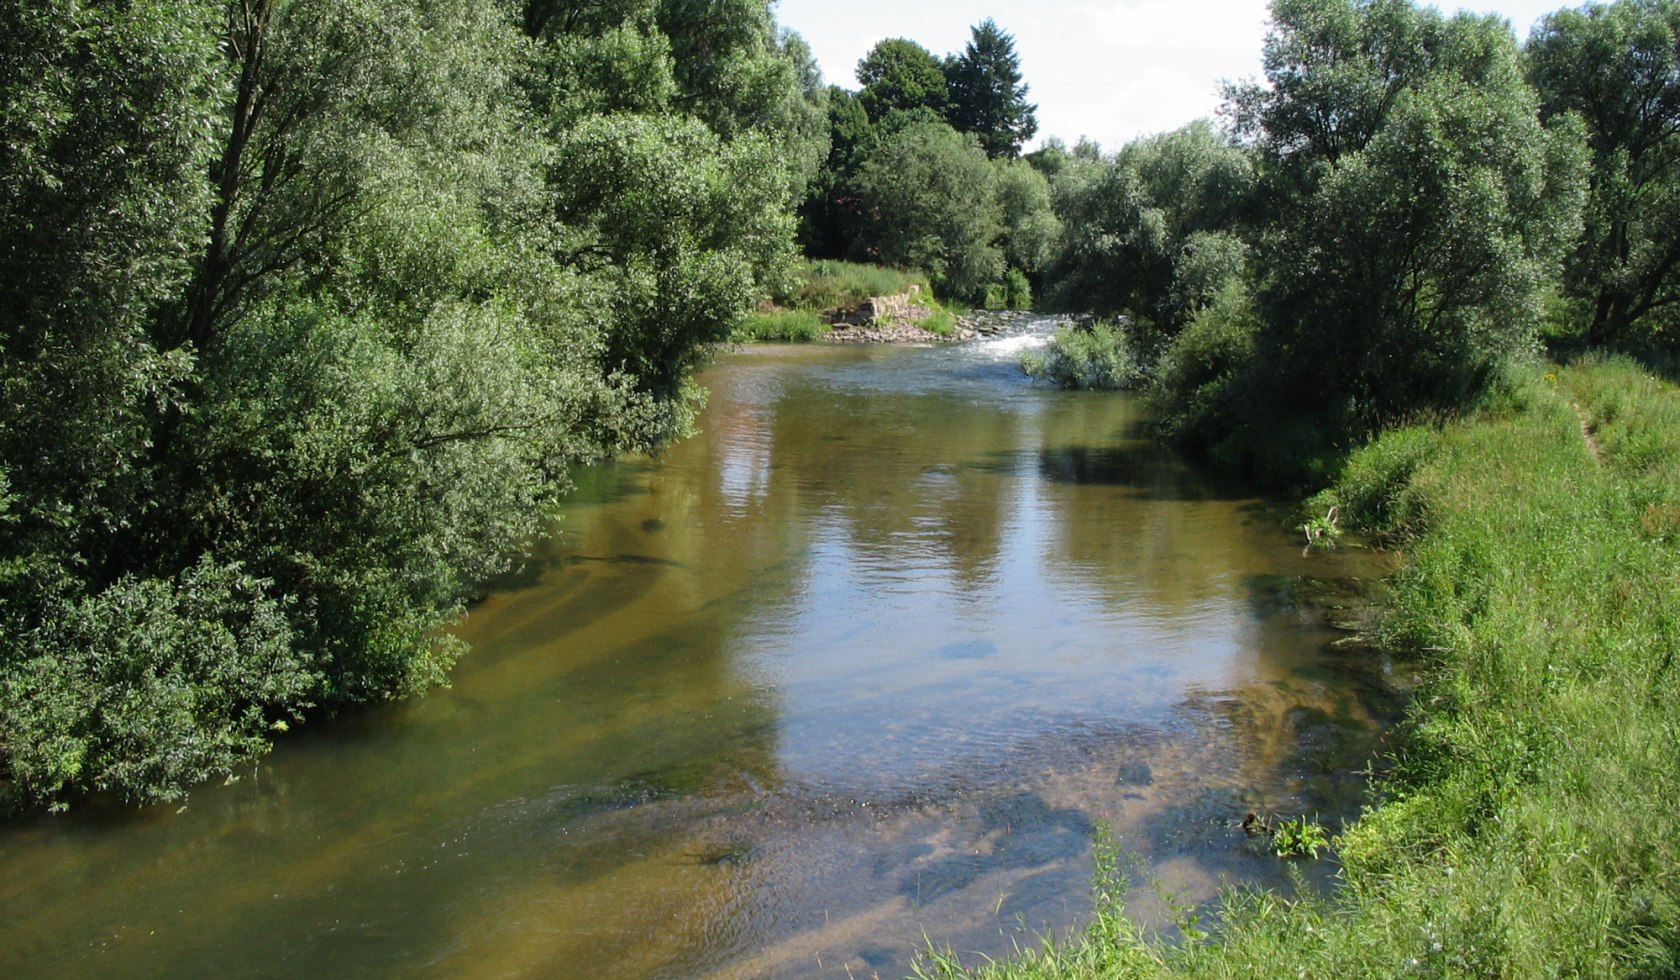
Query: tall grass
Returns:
{"type": "Point", "coordinates": [787, 326]}
{"type": "Point", "coordinates": [1530, 825]}
{"type": "Point", "coordinates": [827, 284]}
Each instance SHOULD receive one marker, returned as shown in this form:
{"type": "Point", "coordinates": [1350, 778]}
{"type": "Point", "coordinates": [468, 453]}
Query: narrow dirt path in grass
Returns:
{"type": "Point", "coordinates": [1587, 434]}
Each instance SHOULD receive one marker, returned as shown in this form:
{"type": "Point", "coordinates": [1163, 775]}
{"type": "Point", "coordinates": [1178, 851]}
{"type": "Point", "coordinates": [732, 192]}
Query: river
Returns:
{"type": "Point", "coordinates": [861, 665]}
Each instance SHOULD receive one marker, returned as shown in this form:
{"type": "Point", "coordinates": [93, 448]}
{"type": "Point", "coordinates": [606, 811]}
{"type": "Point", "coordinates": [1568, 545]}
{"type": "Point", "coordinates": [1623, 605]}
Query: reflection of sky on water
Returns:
{"type": "Point", "coordinates": [744, 470]}
{"type": "Point", "coordinates": [913, 642]}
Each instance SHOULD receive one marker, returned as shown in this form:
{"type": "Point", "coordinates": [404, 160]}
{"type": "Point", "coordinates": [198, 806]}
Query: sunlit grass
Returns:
{"type": "Point", "coordinates": [828, 284]}
{"type": "Point", "coordinates": [793, 326]}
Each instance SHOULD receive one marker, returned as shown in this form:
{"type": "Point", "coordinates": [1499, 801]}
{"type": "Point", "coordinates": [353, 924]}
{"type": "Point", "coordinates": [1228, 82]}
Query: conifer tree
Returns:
{"type": "Point", "coordinates": [987, 97]}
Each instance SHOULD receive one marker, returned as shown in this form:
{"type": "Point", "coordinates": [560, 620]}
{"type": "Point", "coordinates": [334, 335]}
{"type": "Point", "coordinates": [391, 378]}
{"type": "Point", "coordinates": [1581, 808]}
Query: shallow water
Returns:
{"type": "Point", "coordinates": [865, 661]}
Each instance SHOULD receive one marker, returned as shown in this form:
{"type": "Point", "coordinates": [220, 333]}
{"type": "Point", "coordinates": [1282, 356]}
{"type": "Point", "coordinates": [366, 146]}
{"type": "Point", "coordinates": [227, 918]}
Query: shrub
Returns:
{"type": "Point", "coordinates": [1198, 367]}
{"type": "Point", "coordinates": [149, 686]}
{"type": "Point", "coordinates": [1099, 356]}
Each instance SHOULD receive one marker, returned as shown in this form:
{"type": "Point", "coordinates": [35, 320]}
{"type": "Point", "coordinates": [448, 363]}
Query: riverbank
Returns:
{"type": "Point", "coordinates": [1526, 824]}
{"type": "Point", "coordinates": [911, 330]}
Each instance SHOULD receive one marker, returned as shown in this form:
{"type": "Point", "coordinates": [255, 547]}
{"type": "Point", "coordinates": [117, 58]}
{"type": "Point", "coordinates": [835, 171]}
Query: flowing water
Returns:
{"type": "Point", "coordinates": [861, 665]}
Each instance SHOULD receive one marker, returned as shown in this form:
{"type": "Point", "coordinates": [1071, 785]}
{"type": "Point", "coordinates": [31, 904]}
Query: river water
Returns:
{"type": "Point", "coordinates": [860, 666]}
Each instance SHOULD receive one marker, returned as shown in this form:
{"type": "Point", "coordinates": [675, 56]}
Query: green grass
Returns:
{"type": "Point", "coordinates": [1530, 825]}
{"type": "Point", "coordinates": [795, 313]}
{"type": "Point", "coordinates": [827, 284]}
{"type": "Point", "coordinates": [794, 326]}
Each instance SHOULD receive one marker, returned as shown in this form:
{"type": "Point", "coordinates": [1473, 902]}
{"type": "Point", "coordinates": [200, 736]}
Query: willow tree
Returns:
{"type": "Point", "coordinates": [308, 307]}
{"type": "Point", "coordinates": [1420, 207]}
{"type": "Point", "coordinates": [1617, 68]}
{"type": "Point", "coordinates": [1155, 232]}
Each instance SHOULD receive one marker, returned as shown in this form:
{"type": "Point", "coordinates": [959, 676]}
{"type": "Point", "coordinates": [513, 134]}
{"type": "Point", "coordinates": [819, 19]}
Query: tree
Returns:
{"type": "Point", "coordinates": [987, 97]}
{"type": "Point", "coordinates": [107, 121]}
{"type": "Point", "coordinates": [1617, 67]}
{"type": "Point", "coordinates": [1420, 207]}
{"type": "Point", "coordinates": [828, 216]}
{"type": "Point", "coordinates": [307, 309]}
{"type": "Point", "coordinates": [899, 75]}
{"type": "Point", "coordinates": [1032, 232]}
{"type": "Point", "coordinates": [1155, 232]}
{"type": "Point", "coordinates": [929, 197]}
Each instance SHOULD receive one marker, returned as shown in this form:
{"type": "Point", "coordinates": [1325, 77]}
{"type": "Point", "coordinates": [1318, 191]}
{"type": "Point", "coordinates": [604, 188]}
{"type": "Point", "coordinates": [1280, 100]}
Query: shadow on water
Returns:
{"type": "Point", "coordinates": [1146, 469]}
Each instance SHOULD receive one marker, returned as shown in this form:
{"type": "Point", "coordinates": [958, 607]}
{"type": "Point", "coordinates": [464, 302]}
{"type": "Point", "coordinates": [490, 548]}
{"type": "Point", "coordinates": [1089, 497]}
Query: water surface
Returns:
{"type": "Point", "coordinates": [865, 661]}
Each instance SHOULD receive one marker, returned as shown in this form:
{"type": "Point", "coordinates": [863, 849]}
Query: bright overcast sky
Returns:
{"type": "Point", "coordinates": [1110, 70]}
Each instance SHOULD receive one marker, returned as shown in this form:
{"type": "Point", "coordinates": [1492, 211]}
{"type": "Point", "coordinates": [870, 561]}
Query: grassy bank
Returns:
{"type": "Point", "coordinates": [1530, 825]}
{"type": "Point", "coordinates": [795, 314]}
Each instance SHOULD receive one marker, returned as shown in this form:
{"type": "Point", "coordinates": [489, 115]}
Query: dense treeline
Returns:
{"type": "Point", "coordinates": [924, 170]}
{"type": "Point", "coordinates": [1405, 201]}
{"type": "Point", "coordinates": [308, 306]}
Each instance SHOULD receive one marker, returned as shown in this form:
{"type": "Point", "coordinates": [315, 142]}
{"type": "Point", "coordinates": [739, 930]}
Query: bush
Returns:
{"type": "Point", "coordinates": [1017, 291]}
{"type": "Point", "coordinates": [1100, 356]}
{"type": "Point", "coordinates": [149, 686]}
{"type": "Point", "coordinates": [1195, 373]}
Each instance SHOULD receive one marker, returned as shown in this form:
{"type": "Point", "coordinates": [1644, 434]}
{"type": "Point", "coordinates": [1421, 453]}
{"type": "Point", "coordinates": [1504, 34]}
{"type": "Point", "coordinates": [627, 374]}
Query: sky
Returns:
{"type": "Point", "coordinates": [1107, 70]}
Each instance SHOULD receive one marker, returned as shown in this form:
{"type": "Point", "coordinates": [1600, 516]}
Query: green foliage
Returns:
{"type": "Point", "coordinates": [1017, 290]}
{"type": "Point", "coordinates": [1373, 489]}
{"type": "Point", "coordinates": [899, 75]}
{"type": "Point", "coordinates": [1153, 232]}
{"type": "Point", "coordinates": [1201, 377]}
{"type": "Point", "coordinates": [307, 309]}
{"type": "Point", "coordinates": [898, 188]}
{"type": "Point", "coordinates": [828, 285]}
{"type": "Point", "coordinates": [626, 68]}
{"type": "Point", "coordinates": [1299, 838]}
{"type": "Point", "coordinates": [930, 199]}
{"type": "Point", "coordinates": [828, 218]}
{"type": "Point", "coordinates": [1616, 67]}
{"type": "Point", "coordinates": [1032, 231]}
{"type": "Point", "coordinates": [686, 230]}
{"type": "Point", "coordinates": [1420, 233]}
{"type": "Point", "coordinates": [1399, 223]}
{"type": "Point", "coordinates": [1099, 356]}
{"type": "Point", "coordinates": [986, 93]}
{"type": "Point", "coordinates": [106, 120]}
{"type": "Point", "coordinates": [149, 685]}
{"type": "Point", "coordinates": [941, 322]}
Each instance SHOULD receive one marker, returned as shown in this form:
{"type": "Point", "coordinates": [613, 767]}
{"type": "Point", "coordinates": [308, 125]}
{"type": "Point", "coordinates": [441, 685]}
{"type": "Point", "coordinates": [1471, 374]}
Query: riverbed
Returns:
{"type": "Point", "coordinates": [862, 665]}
